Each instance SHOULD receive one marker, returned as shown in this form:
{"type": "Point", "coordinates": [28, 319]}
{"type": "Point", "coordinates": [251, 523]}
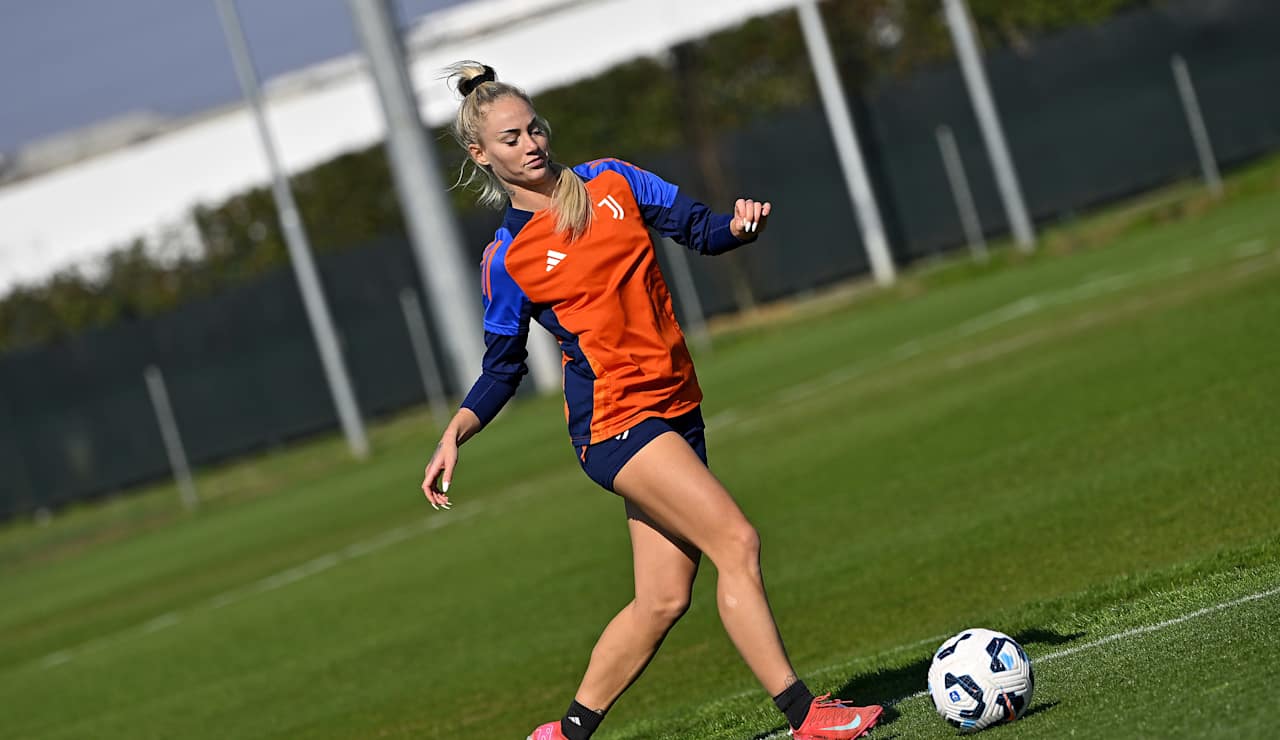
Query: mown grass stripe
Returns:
{"type": "Point", "coordinates": [1067, 652]}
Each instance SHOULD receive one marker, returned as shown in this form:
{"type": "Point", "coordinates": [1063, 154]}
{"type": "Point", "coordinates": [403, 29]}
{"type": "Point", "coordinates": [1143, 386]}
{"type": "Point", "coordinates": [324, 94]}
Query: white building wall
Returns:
{"type": "Point", "coordinates": [76, 214]}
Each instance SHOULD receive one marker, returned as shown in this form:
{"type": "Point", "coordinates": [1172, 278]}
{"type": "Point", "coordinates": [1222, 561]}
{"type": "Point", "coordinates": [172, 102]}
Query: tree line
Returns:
{"type": "Point", "coordinates": [751, 71]}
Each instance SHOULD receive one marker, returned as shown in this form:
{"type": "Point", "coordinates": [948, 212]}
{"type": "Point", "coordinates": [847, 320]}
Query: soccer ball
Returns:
{"type": "Point", "coordinates": [979, 678]}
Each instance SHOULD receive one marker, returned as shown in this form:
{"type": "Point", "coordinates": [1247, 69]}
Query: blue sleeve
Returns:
{"type": "Point", "coordinates": [506, 330]}
{"type": "Point", "coordinates": [506, 308]}
{"type": "Point", "coordinates": [503, 367]}
{"type": "Point", "coordinates": [671, 213]}
{"type": "Point", "coordinates": [695, 225]}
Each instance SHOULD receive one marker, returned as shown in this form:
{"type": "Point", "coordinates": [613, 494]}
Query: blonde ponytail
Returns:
{"type": "Point", "coordinates": [479, 87]}
{"type": "Point", "coordinates": [571, 204]}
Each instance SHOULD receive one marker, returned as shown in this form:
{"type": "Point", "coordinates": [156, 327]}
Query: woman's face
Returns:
{"type": "Point", "coordinates": [514, 143]}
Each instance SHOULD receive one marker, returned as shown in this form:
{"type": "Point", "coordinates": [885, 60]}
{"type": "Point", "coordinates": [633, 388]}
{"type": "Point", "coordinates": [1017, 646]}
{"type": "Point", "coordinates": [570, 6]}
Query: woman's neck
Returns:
{"type": "Point", "coordinates": [535, 198]}
{"type": "Point", "coordinates": [529, 200]}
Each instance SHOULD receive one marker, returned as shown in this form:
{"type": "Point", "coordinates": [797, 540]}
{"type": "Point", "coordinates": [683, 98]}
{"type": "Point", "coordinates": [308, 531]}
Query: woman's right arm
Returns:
{"type": "Point", "coordinates": [439, 473]}
{"type": "Point", "coordinates": [507, 313]}
{"type": "Point", "coordinates": [505, 364]}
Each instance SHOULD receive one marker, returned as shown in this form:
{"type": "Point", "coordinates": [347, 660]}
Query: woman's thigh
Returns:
{"type": "Point", "coordinates": [669, 483]}
{"type": "Point", "coordinates": [665, 565]}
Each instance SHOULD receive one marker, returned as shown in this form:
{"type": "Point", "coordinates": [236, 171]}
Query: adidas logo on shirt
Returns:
{"type": "Point", "coordinates": [554, 258]}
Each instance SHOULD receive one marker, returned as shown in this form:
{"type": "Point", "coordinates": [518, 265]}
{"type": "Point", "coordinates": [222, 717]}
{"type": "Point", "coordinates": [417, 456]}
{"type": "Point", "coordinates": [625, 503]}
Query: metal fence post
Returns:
{"type": "Point", "coordinates": [1195, 121]}
{"type": "Point", "coordinates": [961, 193]}
{"type": "Point", "coordinates": [172, 439]}
{"type": "Point", "coordinates": [425, 356]}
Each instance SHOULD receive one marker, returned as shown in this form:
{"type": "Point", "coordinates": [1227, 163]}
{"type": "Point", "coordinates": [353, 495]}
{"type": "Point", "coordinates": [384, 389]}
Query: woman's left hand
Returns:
{"type": "Point", "coordinates": [749, 218]}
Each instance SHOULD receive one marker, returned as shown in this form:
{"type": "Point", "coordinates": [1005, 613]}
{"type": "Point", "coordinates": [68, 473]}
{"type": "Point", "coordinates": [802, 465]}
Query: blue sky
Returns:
{"type": "Point", "coordinates": [67, 63]}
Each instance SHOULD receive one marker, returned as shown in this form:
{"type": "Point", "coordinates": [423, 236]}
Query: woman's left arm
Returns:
{"type": "Point", "coordinates": [696, 226]}
{"type": "Point", "coordinates": [677, 216]}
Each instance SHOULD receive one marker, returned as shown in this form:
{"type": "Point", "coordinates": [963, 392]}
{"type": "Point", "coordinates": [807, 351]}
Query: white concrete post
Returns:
{"type": "Point", "coordinates": [450, 288]}
{"type": "Point", "coordinates": [846, 140]}
{"type": "Point", "coordinates": [984, 106]}
{"type": "Point", "coordinates": [295, 238]}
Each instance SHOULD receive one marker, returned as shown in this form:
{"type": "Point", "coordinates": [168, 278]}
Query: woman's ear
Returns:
{"type": "Point", "coordinates": [477, 155]}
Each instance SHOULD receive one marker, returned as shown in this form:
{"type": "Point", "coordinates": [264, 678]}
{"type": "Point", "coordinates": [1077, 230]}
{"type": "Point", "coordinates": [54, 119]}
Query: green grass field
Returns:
{"type": "Point", "coordinates": [1079, 448]}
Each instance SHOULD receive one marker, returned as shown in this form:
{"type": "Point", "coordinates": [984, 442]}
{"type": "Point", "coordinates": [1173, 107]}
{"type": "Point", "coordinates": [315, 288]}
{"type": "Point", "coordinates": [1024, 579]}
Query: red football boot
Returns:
{"type": "Point", "coordinates": [836, 719]}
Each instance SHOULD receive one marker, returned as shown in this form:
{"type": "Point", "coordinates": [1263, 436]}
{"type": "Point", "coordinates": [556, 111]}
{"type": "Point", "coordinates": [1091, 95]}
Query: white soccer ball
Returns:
{"type": "Point", "coordinates": [979, 678]}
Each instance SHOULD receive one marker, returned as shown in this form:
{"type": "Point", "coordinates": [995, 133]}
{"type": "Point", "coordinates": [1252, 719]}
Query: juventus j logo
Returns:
{"type": "Point", "coordinates": [613, 206]}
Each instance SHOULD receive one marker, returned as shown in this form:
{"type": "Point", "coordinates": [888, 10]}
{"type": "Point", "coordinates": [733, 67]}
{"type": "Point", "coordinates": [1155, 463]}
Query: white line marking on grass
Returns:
{"type": "Point", "coordinates": [1022, 307]}
{"type": "Point", "coordinates": [1247, 268]}
{"type": "Point", "coordinates": [1251, 248]}
{"type": "Point", "coordinates": [724, 417]}
{"type": "Point", "coordinates": [275, 580]}
{"type": "Point", "coordinates": [1025, 306]}
{"type": "Point", "coordinates": [53, 659]}
{"type": "Point", "coordinates": [1019, 308]}
{"type": "Point", "coordinates": [1160, 625]}
{"type": "Point", "coordinates": [1135, 631]}
{"type": "Point", "coordinates": [1066, 652]}
{"type": "Point", "coordinates": [904, 351]}
{"type": "Point", "coordinates": [167, 619]}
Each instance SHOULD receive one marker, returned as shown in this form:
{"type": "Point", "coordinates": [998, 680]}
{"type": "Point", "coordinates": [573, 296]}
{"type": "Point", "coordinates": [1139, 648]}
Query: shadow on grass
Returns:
{"type": "Point", "coordinates": [888, 687]}
{"type": "Point", "coordinates": [1039, 707]}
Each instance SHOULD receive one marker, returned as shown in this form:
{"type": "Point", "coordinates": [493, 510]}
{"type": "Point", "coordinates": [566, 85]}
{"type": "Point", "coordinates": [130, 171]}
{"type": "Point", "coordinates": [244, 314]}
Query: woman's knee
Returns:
{"type": "Point", "coordinates": [739, 548]}
{"type": "Point", "coordinates": [662, 610]}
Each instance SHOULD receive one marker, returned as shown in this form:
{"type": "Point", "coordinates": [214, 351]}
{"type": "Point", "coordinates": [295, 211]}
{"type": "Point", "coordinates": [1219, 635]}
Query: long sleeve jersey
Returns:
{"type": "Point", "coordinates": [604, 299]}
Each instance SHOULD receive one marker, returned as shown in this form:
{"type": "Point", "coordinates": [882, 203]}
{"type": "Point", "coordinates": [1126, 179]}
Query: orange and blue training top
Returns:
{"type": "Point", "coordinates": [602, 296]}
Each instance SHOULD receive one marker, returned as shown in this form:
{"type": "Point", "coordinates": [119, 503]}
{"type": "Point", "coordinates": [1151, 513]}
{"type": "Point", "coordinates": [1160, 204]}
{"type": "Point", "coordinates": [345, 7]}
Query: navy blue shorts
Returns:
{"type": "Point", "coordinates": [603, 460]}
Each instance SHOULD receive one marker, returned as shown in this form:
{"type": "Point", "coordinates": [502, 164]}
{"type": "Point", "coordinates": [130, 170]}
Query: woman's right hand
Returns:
{"type": "Point", "coordinates": [439, 472]}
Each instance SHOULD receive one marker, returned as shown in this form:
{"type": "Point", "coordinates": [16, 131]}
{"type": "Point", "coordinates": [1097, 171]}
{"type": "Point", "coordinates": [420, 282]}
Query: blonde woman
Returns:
{"type": "Point", "coordinates": [574, 254]}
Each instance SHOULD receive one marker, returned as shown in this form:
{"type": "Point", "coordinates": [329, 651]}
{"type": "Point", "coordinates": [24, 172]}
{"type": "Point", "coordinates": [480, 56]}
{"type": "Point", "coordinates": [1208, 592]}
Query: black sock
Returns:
{"type": "Point", "coordinates": [794, 702]}
{"type": "Point", "coordinates": [580, 723]}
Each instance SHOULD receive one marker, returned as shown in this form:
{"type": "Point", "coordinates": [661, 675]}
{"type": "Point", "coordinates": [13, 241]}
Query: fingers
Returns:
{"type": "Point", "coordinates": [751, 214]}
{"type": "Point", "coordinates": [435, 496]}
{"type": "Point", "coordinates": [436, 478]}
{"type": "Point", "coordinates": [447, 475]}
{"type": "Point", "coordinates": [746, 211]}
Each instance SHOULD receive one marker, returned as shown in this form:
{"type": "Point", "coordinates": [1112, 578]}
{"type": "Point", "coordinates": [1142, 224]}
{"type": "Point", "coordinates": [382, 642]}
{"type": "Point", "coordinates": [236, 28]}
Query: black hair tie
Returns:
{"type": "Point", "coordinates": [466, 87]}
